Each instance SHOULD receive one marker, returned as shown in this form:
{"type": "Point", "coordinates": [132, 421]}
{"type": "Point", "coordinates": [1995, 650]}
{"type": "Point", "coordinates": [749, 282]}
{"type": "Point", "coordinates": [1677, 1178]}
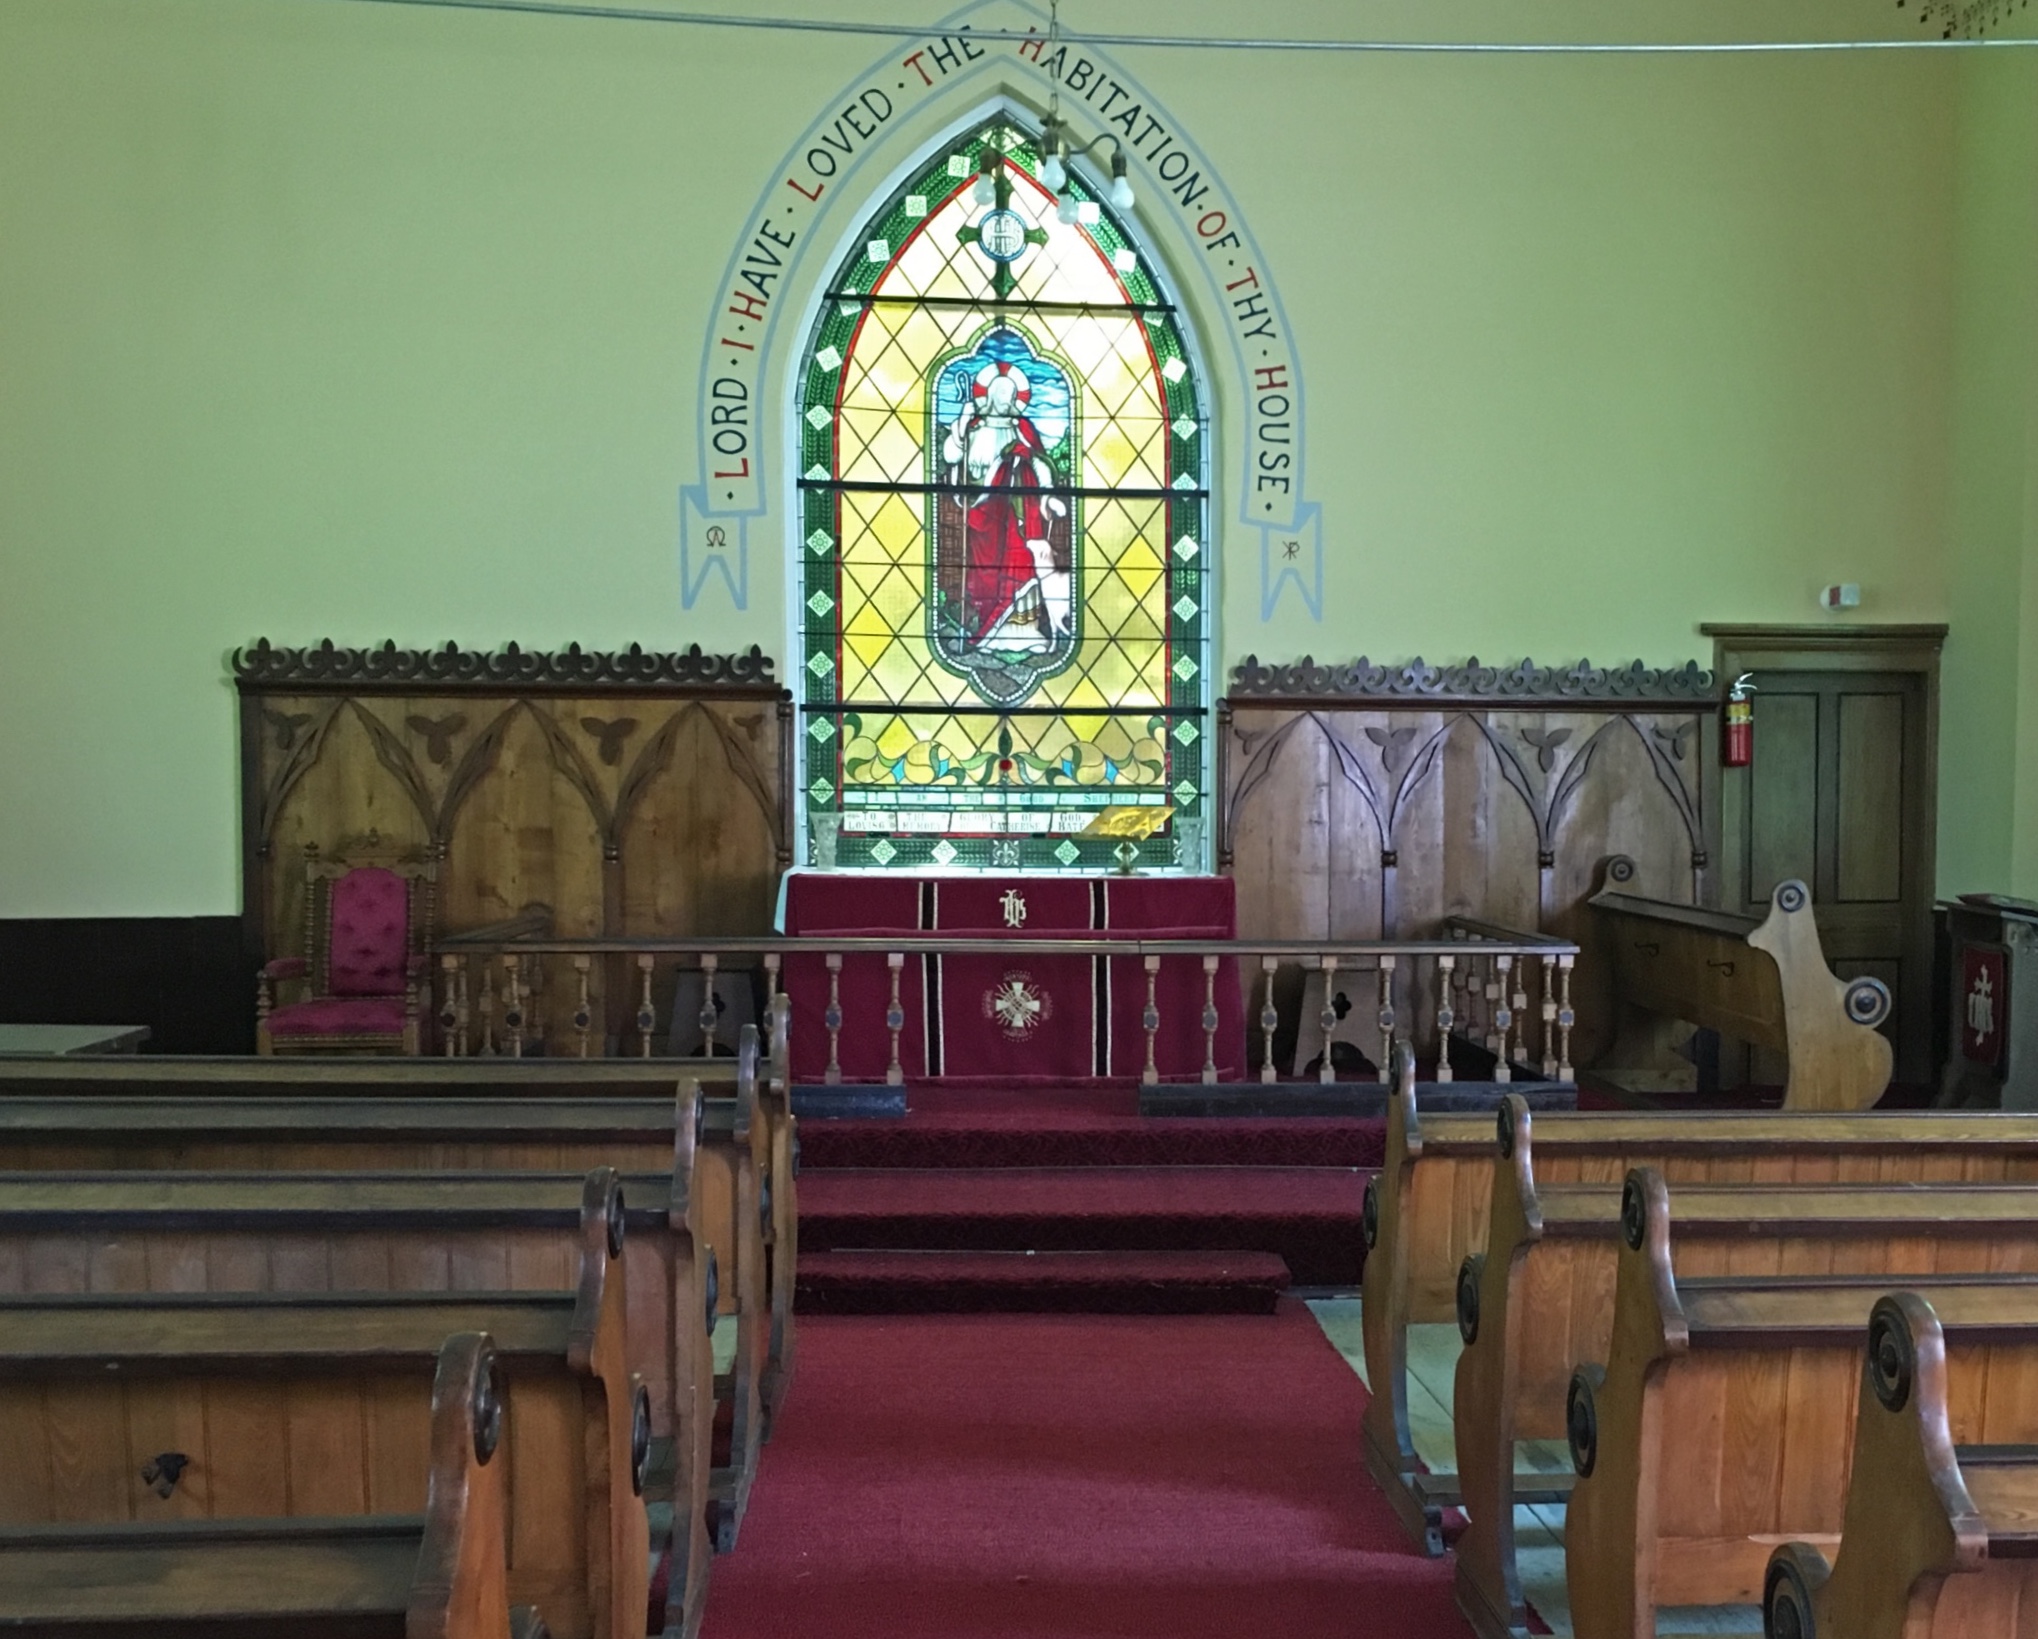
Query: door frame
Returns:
{"type": "Point", "coordinates": [1911, 648]}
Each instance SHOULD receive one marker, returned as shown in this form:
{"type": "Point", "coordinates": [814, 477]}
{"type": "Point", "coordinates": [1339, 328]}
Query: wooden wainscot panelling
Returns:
{"type": "Point", "coordinates": [590, 794]}
{"type": "Point", "coordinates": [1365, 801]}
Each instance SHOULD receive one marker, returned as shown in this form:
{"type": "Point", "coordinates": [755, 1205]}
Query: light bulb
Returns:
{"type": "Point", "coordinates": [986, 191]}
{"type": "Point", "coordinates": [1121, 185]}
{"type": "Point", "coordinates": [1054, 175]}
{"type": "Point", "coordinates": [1066, 208]}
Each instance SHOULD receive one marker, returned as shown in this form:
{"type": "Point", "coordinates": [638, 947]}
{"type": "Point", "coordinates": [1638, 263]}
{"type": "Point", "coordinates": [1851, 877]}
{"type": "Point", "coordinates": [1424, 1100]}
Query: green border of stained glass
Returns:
{"type": "Point", "coordinates": [1186, 723]}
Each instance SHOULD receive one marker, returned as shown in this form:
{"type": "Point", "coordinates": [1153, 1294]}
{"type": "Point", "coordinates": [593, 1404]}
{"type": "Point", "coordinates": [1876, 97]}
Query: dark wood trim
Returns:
{"type": "Point", "coordinates": [1304, 683]}
{"type": "Point", "coordinates": [326, 667]}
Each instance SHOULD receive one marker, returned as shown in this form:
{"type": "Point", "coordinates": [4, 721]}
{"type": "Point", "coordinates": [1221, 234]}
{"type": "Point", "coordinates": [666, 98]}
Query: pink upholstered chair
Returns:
{"type": "Point", "coordinates": [366, 928]}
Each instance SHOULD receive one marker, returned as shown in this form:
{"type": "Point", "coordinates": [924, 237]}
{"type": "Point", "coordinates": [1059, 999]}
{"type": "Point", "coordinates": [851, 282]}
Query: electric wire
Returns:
{"type": "Point", "coordinates": [1166, 42]}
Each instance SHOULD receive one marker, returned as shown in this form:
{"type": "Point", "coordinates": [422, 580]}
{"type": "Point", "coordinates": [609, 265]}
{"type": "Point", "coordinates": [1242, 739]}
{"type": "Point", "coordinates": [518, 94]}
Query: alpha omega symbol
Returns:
{"type": "Point", "coordinates": [1014, 906]}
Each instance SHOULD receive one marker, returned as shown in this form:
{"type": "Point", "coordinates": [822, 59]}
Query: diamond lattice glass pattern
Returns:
{"type": "Point", "coordinates": [1004, 532]}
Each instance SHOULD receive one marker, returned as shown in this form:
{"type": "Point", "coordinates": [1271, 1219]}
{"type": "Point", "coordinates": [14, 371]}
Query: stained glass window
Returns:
{"type": "Point", "coordinates": [1004, 558]}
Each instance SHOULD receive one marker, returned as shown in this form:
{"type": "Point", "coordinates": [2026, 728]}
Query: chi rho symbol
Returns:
{"type": "Point", "coordinates": [1014, 907]}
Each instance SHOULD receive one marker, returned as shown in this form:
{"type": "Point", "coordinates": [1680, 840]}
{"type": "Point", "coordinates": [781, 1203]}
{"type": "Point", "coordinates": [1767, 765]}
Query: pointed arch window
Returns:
{"type": "Point", "coordinates": [1004, 562]}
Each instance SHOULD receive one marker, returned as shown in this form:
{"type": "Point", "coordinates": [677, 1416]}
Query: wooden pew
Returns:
{"type": "Point", "coordinates": [1427, 1211]}
{"type": "Point", "coordinates": [1539, 1302]}
{"type": "Point", "coordinates": [436, 1575]}
{"type": "Point", "coordinates": [1722, 1420]}
{"type": "Point", "coordinates": [317, 1405]}
{"type": "Point", "coordinates": [1763, 983]}
{"type": "Point", "coordinates": [246, 1133]}
{"type": "Point", "coordinates": [1939, 1541]}
{"type": "Point", "coordinates": [108, 1233]}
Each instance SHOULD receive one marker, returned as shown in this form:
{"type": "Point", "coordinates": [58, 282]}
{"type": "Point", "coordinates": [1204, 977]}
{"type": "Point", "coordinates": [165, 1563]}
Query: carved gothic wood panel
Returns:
{"type": "Point", "coordinates": [1360, 802]}
{"type": "Point", "coordinates": [629, 794]}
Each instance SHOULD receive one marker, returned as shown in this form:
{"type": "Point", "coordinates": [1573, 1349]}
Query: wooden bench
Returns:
{"type": "Point", "coordinates": [1427, 1211]}
{"type": "Point", "coordinates": [1539, 1302]}
{"type": "Point", "coordinates": [318, 1405]}
{"type": "Point", "coordinates": [1723, 1419]}
{"type": "Point", "coordinates": [374, 1232]}
{"type": "Point", "coordinates": [436, 1575]}
{"type": "Point", "coordinates": [1938, 1540]}
{"type": "Point", "coordinates": [1764, 983]}
{"type": "Point", "coordinates": [732, 1173]}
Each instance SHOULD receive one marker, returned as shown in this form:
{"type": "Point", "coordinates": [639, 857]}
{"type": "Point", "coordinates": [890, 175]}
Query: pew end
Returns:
{"type": "Point", "coordinates": [1675, 963]}
{"type": "Point", "coordinates": [1918, 1558]}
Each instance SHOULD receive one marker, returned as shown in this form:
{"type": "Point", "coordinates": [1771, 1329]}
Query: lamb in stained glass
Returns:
{"type": "Point", "coordinates": [1005, 611]}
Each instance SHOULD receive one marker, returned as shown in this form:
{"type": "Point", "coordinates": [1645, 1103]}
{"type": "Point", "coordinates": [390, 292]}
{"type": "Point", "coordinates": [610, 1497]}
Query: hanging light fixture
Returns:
{"type": "Point", "coordinates": [1057, 148]}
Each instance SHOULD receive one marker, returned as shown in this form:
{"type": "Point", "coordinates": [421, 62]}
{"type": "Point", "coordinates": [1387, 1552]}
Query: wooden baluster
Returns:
{"type": "Point", "coordinates": [583, 1012]}
{"type": "Point", "coordinates": [832, 1018]}
{"type": "Point", "coordinates": [1447, 1016]}
{"type": "Point", "coordinates": [1328, 1017]}
{"type": "Point", "coordinates": [512, 1007]}
{"type": "Point", "coordinates": [710, 1018]}
{"type": "Point", "coordinates": [895, 1018]}
{"type": "Point", "coordinates": [487, 1008]}
{"type": "Point", "coordinates": [1565, 1019]}
{"type": "Point", "coordinates": [1151, 1019]}
{"type": "Point", "coordinates": [1493, 1005]}
{"type": "Point", "coordinates": [465, 1009]}
{"type": "Point", "coordinates": [449, 1006]}
{"type": "Point", "coordinates": [1518, 1010]}
{"type": "Point", "coordinates": [771, 962]}
{"type": "Point", "coordinates": [1548, 990]}
{"type": "Point", "coordinates": [1209, 1021]}
{"type": "Point", "coordinates": [1387, 1019]}
{"type": "Point", "coordinates": [647, 1010]}
{"type": "Point", "coordinates": [1270, 1019]}
{"type": "Point", "coordinates": [1503, 1018]}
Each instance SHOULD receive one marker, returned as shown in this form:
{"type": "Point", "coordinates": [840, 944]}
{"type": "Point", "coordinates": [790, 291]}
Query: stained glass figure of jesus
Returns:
{"type": "Point", "coordinates": [1015, 592]}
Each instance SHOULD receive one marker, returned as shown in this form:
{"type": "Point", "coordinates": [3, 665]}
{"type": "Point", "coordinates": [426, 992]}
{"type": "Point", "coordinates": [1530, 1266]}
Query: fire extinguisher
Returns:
{"type": "Point", "coordinates": [1738, 747]}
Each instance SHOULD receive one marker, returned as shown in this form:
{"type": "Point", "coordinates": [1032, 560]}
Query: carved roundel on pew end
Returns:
{"type": "Point", "coordinates": [1866, 1001]}
{"type": "Point", "coordinates": [615, 1220]}
{"type": "Point", "coordinates": [1792, 896]}
{"type": "Point", "coordinates": [1581, 1418]}
{"type": "Point", "coordinates": [1892, 1354]}
{"type": "Point", "coordinates": [640, 1438]}
{"type": "Point", "coordinates": [1369, 1214]}
{"type": "Point", "coordinates": [487, 1405]}
{"type": "Point", "coordinates": [1634, 1213]}
{"type": "Point", "coordinates": [1470, 1273]}
{"type": "Point", "coordinates": [1620, 870]}
{"type": "Point", "coordinates": [1786, 1600]}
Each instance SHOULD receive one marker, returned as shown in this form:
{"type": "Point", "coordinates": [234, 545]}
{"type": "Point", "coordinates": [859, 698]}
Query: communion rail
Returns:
{"type": "Point", "coordinates": [1475, 983]}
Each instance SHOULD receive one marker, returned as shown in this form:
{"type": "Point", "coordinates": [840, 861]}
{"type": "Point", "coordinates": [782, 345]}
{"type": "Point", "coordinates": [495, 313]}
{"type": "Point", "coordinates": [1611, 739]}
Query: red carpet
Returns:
{"type": "Point", "coordinates": [1308, 1215]}
{"type": "Point", "coordinates": [1091, 1125]}
{"type": "Point", "coordinates": [1072, 1477]}
{"type": "Point", "coordinates": [1097, 1283]}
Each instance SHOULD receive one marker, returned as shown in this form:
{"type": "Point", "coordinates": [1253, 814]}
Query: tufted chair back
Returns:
{"type": "Point", "coordinates": [367, 933]}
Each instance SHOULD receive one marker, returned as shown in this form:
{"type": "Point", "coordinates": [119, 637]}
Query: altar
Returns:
{"type": "Point", "coordinates": [1024, 1018]}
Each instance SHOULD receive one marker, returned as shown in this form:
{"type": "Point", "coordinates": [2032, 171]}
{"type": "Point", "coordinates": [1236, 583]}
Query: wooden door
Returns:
{"type": "Point", "coordinates": [1842, 794]}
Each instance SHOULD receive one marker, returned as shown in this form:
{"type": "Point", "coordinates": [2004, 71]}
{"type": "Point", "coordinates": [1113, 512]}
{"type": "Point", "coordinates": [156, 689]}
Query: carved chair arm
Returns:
{"type": "Point", "coordinates": [286, 967]}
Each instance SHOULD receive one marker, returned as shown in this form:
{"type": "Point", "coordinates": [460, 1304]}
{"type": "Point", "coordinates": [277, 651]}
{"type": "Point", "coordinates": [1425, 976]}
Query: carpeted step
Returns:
{"type": "Point", "coordinates": [1094, 1283]}
{"type": "Point", "coordinates": [1309, 1216]}
{"type": "Point", "coordinates": [1086, 1127]}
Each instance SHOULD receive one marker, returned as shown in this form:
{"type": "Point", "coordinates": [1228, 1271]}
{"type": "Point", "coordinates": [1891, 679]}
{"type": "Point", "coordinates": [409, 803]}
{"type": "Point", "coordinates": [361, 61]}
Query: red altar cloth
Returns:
{"type": "Point", "coordinates": [1056, 1018]}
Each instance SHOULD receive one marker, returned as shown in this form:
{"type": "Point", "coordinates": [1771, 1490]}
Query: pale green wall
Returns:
{"type": "Point", "coordinates": [331, 320]}
{"type": "Point", "coordinates": [1989, 716]}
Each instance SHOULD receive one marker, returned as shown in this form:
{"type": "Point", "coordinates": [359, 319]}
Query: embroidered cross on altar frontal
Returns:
{"type": "Point", "coordinates": [1047, 1018]}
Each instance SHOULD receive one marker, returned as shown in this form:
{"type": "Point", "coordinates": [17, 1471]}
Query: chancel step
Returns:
{"type": "Point", "coordinates": [899, 1282]}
